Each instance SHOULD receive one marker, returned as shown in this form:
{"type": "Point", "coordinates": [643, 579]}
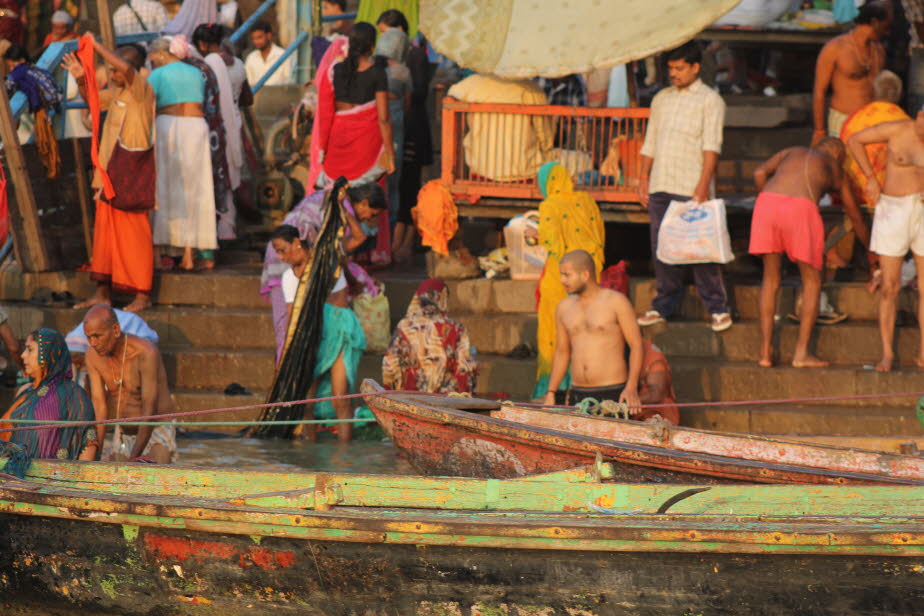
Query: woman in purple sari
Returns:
{"type": "Point", "coordinates": [52, 395]}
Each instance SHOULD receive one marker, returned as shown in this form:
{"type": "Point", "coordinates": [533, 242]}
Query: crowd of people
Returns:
{"type": "Point", "coordinates": [177, 105]}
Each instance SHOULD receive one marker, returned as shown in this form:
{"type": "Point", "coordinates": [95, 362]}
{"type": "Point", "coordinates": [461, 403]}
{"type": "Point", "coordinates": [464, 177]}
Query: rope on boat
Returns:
{"type": "Point", "coordinates": [154, 419]}
{"type": "Point", "coordinates": [44, 423]}
{"type": "Point", "coordinates": [231, 409]}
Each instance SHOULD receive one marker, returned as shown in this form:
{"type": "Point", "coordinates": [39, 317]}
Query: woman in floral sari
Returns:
{"type": "Point", "coordinates": [52, 395]}
{"type": "Point", "coordinates": [430, 352]}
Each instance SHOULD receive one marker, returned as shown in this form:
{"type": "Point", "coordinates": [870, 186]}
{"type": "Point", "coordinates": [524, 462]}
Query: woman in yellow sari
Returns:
{"type": "Point", "coordinates": [568, 220]}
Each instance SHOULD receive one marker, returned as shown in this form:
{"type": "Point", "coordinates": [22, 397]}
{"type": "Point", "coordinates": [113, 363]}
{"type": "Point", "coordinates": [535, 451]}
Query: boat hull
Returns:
{"type": "Point", "coordinates": [439, 439]}
{"type": "Point", "coordinates": [111, 568]}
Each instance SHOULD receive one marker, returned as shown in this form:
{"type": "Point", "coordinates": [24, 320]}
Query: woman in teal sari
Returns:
{"type": "Point", "coordinates": [52, 395]}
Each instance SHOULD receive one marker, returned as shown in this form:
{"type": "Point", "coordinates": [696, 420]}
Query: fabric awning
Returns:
{"type": "Point", "coordinates": [530, 38]}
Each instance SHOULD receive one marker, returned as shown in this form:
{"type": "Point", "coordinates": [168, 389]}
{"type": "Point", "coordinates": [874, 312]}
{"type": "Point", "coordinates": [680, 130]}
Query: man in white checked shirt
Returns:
{"type": "Point", "coordinates": [679, 158]}
{"type": "Point", "coordinates": [136, 16]}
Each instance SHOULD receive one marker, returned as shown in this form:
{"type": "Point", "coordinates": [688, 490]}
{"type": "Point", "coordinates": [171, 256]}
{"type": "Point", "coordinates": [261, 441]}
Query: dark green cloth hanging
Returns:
{"type": "Point", "coordinates": [295, 374]}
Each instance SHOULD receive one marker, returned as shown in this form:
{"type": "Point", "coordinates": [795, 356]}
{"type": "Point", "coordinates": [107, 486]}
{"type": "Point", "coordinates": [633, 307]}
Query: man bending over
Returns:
{"type": "Point", "coordinates": [127, 379]}
{"type": "Point", "coordinates": [786, 219]}
{"type": "Point", "coordinates": [593, 326]}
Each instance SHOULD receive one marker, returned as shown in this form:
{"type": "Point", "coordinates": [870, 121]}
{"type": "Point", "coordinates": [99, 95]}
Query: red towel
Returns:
{"type": "Point", "coordinates": [85, 54]}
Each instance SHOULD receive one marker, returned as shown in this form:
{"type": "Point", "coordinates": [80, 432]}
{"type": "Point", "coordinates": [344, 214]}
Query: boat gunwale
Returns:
{"type": "Point", "coordinates": [672, 532]}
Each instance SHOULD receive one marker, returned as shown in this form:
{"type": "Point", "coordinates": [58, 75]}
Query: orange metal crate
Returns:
{"type": "Point", "coordinates": [586, 134]}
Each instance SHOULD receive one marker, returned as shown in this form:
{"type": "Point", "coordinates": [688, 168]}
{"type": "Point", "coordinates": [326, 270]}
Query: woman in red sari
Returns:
{"type": "Point", "coordinates": [354, 133]}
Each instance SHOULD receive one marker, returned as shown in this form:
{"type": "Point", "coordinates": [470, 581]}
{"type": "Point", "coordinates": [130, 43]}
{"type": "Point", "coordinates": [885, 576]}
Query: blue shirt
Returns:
{"type": "Point", "coordinates": [177, 82]}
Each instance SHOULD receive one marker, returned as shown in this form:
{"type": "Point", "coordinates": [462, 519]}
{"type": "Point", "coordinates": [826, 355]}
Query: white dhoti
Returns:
{"type": "Point", "coordinates": [185, 214]}
{"type": "Point", "coordinates": [123, 444]}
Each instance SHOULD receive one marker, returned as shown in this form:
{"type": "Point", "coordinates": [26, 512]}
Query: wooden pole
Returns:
{"type": "Point", "coordinates": [24, 220]}
{"type": "Point", "coordinates": [631, 83]}
{"type": "Point", "coordinates": [83, 195]}
{"type": "Point", "coordinates": [106, 31]}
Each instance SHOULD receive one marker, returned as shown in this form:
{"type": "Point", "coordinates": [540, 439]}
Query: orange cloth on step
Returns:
{"type": "Point", "coordinates": [123, 249]}
{"type": "Point", "coordinates": [436, 216]}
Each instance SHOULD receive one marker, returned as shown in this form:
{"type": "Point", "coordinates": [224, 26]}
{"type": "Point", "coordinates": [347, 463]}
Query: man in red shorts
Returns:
{"type": "Point", "coordinates": [786, 219]}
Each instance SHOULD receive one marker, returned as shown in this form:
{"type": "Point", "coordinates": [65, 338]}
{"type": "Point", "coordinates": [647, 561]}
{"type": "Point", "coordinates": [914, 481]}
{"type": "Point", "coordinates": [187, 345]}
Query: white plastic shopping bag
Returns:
{"type": "Point", "coordinates": [694, 233]}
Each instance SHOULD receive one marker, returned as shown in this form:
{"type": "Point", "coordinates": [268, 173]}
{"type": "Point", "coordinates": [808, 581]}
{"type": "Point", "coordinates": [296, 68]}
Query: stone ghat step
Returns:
{"type": "Point", "coordinates": [849, 343]}
{"type": "Point", "coordinates": [832, 423]}
{"type": "Point", "coordinates": [237, 286]}
{"type": "Point", "coordinates": [175, 325]}
{"type": "Point", "coordinates": [852, 298]}
{"type": "Point", "coordinates": [877, 428]}
{"type": "Point", "coordinates": [695, 379]}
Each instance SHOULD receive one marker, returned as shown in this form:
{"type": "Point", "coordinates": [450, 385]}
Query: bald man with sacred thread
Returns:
{"type": "Point", "coordinates": [594, 325]}
{"type": "Point", "coordinates": [128, 380]}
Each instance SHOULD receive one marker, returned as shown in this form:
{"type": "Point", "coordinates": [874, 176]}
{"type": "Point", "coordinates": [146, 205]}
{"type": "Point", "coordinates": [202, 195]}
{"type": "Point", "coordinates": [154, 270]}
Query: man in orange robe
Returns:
{"type": "Point", "coordinates": [123, 251]}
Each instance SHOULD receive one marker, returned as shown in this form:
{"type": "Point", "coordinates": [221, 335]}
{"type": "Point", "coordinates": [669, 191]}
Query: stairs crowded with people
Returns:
{"type": "Point", "coordinates": [215, 331]}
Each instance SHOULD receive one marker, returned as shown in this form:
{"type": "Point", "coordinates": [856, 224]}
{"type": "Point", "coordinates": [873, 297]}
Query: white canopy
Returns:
{"type": "Point", "coordinates": [552, 38]}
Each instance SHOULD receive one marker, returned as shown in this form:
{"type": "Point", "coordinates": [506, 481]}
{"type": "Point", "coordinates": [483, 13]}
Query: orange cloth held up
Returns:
{"type": "Point", "coordinates": [85, 54]}
{"type": "Point", "coordinates": [436, 216]}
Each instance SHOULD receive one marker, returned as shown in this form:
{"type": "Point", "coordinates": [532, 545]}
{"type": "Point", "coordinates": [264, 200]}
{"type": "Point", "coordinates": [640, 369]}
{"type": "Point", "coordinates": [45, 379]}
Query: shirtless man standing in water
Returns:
{"type": "Point", "coordinates": [898, 222]}
{"type": "Point", "coordinates": [127, 379]}
{"type": "Point", "coordinates": [786, 219]}
{"type": "Point", "coordinates": [594, 324]}
{"type": "Point", "coordinates": [847, 65]}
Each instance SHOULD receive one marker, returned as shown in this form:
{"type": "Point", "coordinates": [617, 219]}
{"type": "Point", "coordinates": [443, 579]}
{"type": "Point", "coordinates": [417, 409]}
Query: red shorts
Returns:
{"type": "Point", "coordinates": [788, 224]}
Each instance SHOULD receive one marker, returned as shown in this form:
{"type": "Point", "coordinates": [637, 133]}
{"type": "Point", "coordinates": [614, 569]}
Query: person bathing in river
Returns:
{"type": "Point", "coordinates": [594, 323]}
{"type": "Point", "coordinates": [898, 222]}
{"type": "Point", "coordinates": [128, 380]}
{"type": "Point", "coordinates": [361, 207]}
{"type": "Point", "coordinates": [52, 395]}
{"type": "Point", "coordinates": [342, 338]}
{"type": "Point", "coordinates": [786, 219]}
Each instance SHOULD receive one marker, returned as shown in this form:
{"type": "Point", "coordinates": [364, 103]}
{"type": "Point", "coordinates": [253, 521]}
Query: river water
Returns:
{"type": "Point", "coordinates": [327, 454]}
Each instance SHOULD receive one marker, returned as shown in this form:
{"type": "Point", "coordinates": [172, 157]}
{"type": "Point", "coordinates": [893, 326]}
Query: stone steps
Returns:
{"type": "Point", "coordinates": [215, 329]}
{"type": "Point", "coordinates": [833, 420]}
{"type": "Point", "coordinates": [850, 343]}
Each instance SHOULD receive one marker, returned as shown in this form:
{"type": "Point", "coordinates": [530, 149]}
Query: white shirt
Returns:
{"type": "Point", "coordinates": [152, 13]}
{"type": "Point", "coordinates": [289, 284]}
{"type": "Point", "coordinates": [238, 75]}
{"type": "Point", "coordinates": [256, 67]}
{"type": "Point", "coordinates": [683, 124]}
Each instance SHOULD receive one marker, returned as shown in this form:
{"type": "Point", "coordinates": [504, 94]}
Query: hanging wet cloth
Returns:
{"type": "Point", "coordinates": [295, 374]}
{"type": "Point", "coordinates": [42, 95]}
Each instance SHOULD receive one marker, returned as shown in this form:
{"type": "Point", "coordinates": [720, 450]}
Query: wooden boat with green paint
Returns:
{"type": "Point", "coordinates": [142, 539]}
{"type": "Point", "coordinates": [483, 438]}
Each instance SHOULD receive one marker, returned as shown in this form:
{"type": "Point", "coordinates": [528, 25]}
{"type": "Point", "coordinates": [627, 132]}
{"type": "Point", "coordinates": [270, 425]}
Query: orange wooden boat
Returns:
{"type": "Point", "coordinates": [482, 438]}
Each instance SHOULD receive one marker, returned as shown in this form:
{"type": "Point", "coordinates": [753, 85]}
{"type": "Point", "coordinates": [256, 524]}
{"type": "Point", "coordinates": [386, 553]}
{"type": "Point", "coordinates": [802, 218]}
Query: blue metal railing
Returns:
{"type": "Point", "coordinates": [50, 60]}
